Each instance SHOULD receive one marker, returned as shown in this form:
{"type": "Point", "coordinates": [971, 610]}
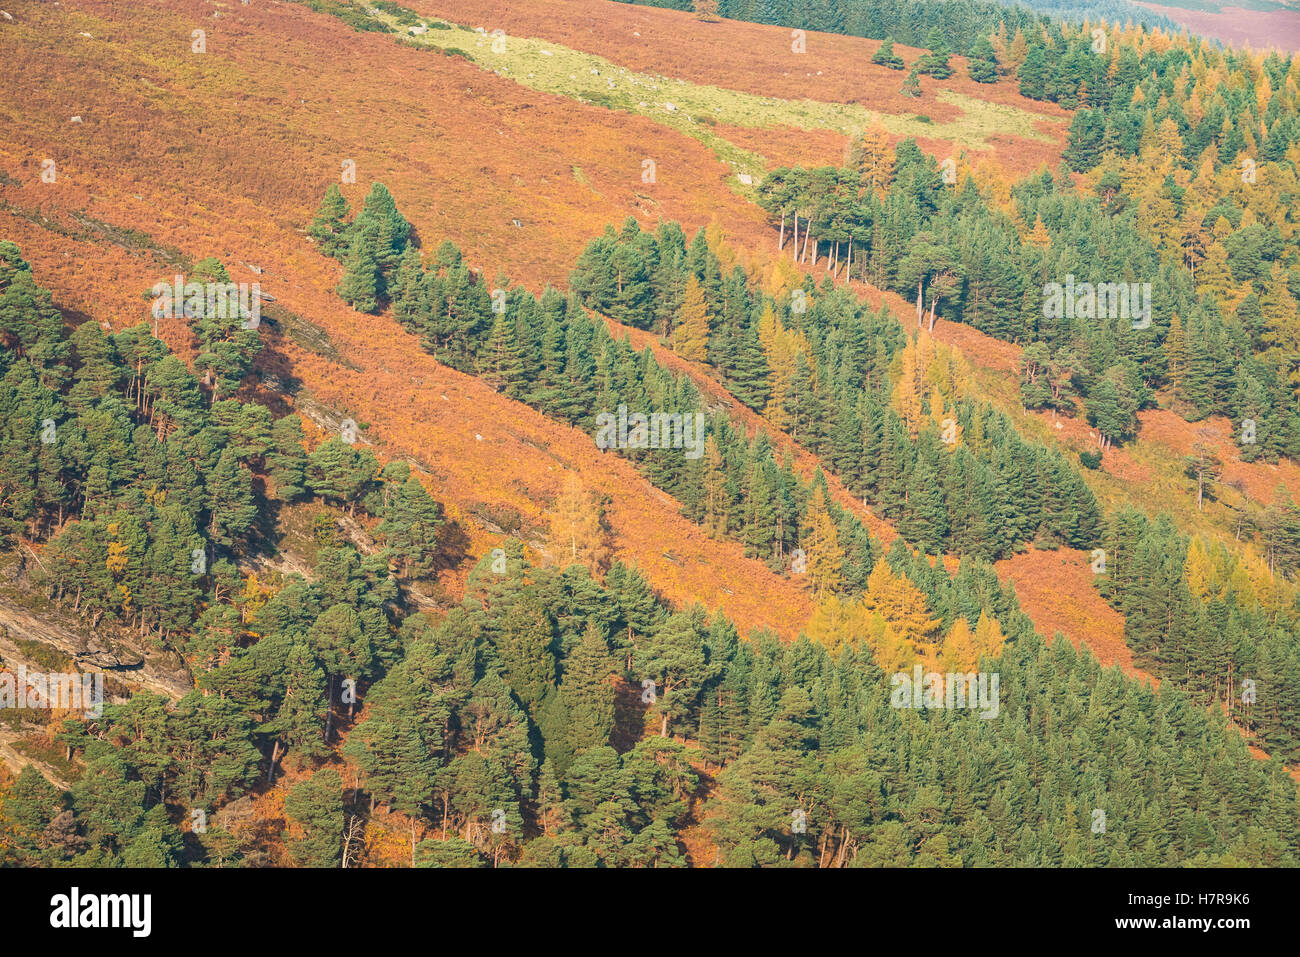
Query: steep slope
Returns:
{"type": "Point", "coordinates": [1056, 590]}
{"type": "Point", "coordinates": [487, 454]}
{"type": "Point", "coordinates": [192, 159]}
{"type": "Point", "coordinates": [188, 176]}
{"type": "Point", "coordinates": [761, 60]}
{"type": "Point", "coordinates": [1269, 28]}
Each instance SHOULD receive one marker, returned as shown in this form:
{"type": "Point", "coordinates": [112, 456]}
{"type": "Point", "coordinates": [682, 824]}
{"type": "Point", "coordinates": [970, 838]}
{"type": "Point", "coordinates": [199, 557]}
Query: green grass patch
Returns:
{"type": "Point", "coordinates": [46, 656]}
{"type": "Point", "coordinates": [54, 755]}
{"type": "Point", "coordinates": [695, 109]}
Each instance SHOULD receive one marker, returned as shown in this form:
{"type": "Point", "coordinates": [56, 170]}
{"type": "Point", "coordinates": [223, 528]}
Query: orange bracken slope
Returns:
{"type": "Point", "coordinates": [191, 169]}
{"type": "Point", "coordinates": [756, 58]}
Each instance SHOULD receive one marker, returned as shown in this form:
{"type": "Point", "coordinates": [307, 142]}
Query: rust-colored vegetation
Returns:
{"type": "Point", "coordinates": [756, 58]}
{"type": "Point", "coordinates": [191, 173]}
{"type": "Point", "coordinates": [1056, 590]}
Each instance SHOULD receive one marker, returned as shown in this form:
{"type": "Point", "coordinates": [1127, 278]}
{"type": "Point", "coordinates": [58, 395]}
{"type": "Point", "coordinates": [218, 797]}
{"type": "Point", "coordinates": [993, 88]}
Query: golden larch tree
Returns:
{"type": "Point", "coordinates": [691, 337]}
{"type": "Point", "coordinates": [715, 489]}
{"type": "Point", "coordinates": [960, 652]}
{"type": "Point", "coordinates": [821, 545]}
{"type": "Point", "coordinates": [577, 527]}
{"type": "Point", "coordinates": [988, 636]}
{"type": "Point", "coordinates": [837, 622]}
{"type": "Point", "coordinates": [1039, 235]}
{"type": "Point", "coordinates": [873, 157]}
{"type": "Point", "coordinates": [901, 604]}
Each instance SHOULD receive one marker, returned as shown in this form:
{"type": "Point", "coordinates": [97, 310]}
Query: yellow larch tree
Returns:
{"type": "Point", "coordinates": [1200, 571]}
{"type": "Point", "coordinates": [715, 489]}
{"type": "Point", "coordinates": [901, 604]}
{"type": "Point", "coordinates": [837, 622]}
{"type": "Point", "coordinates": [577, 527]}
{"type": "Point", "coordinates": [1281, 325]}
{"type": "Point", "coordinates": [781, 347]}
{"type": "Point", "coordinates": [959, 649]}
{"type": "Point", "coordinates": [1039, 235]}
{"type": "Point", "coordinates": [892, 651]}
{"type": "Point", "coordinates": [912, 364]}
{"type": "Point", "coordinates": [691, 337]}
{"type": "Point", "coordinates": [821, 544]}
{"type": "Point", "coordinates": [948, 371]}
{"type": "Point", "coordinates": [873, 156]}
{"type": "Point", "coordinates": [1193, 237]}
{"type": "Point", "coordinates": [988, 636]}
{"type": "Point", "coordinates": [1016, 53]}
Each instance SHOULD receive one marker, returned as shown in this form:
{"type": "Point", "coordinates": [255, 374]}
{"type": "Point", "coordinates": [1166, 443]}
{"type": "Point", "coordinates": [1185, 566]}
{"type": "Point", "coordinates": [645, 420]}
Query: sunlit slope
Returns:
{"type": "Point", "coordinates": [230, 160]}
{"type": "Point", "coordinates": [232, 148]}
{"type": "Point", "coordinates": [760, 60]}
{"type": "Point", "coordinates": [227, 152]}
{"type": "Point", "coordinates": [1148, 470]}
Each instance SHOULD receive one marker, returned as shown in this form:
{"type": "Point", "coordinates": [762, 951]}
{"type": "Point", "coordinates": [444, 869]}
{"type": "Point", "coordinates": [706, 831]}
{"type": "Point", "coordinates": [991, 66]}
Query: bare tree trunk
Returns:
{"type": "Point", "coordinates": [349, 838]}
{"type": "Point", "coordinates": [780, 244]}
{"type": "Point", "coordinates": [277, 752]}
{"type": "Point", "coordinates": [933, 303]}
{"type": "Point", "coordinates": [919, 308]}
{"type": "Point", "coordinates": [329, 711]}
{"type": "Point", "coordinates": [807, 231]}
{"type": "Point", "coordinates": [795, 247]}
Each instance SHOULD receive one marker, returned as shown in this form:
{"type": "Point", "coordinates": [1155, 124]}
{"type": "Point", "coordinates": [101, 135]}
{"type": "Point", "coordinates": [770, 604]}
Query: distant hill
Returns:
{"type": "Point", "coordinates": [1258, 24]}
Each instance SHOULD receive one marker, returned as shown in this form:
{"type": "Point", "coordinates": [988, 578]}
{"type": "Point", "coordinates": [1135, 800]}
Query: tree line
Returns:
{"type": "Point", "coordinates": [513, 729]}
{"type": "Point", "coordinates": [842, 380]}
{"type": "Point", "coordinates": [962, 255]}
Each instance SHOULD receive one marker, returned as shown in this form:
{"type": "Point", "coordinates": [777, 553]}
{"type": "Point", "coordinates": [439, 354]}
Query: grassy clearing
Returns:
{"type": "Point", "coordinates": [693, 108]}
{"type": "Point", "coordinates": [980, 119]}
{"type": "Point", "coordinates": [35, 747]}
{"type": "Point", "coordinates": [1158, 483]}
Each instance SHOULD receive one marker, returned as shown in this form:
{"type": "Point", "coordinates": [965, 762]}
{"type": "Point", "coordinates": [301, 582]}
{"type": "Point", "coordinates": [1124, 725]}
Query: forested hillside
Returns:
{"type": "Point", "coordinates": [501, 732]}
{"type": "Point", "coordinates": [553, 509]}
{"type": "Point", "coordinates": [911, 21]}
